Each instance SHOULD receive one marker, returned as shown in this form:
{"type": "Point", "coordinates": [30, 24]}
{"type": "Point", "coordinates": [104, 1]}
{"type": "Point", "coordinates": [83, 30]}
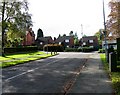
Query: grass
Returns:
{"type": "Point", "coordinates": [20, 58]}
{"type": "Point", "coordinates": [115, 76]}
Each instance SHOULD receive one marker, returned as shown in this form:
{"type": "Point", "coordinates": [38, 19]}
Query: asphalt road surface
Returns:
{"type": "Point", "coordinates": [51, 75]}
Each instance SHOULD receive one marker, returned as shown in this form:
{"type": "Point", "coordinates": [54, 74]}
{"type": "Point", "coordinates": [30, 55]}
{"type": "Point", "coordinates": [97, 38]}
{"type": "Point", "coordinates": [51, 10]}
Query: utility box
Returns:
{"type": "Point", "coordinates": [109, 50]}
{"type": "Point", "coordinates": [112, 62]}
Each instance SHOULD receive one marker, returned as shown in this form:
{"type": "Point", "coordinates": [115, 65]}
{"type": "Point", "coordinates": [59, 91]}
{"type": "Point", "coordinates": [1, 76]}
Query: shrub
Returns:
{"type": "Point", "coordinates": [101, 50]}
{"type": "Point", "coordinates": [79, 49]}
{"type": "Point", "coordinates": [118, 62]}
{"type": "Point", "coordinates": [20, 49]}
{"type": "Point", "coordinates": [53, 47]}
{"type": "Point", "coordinates": [87, 49]}
{"type": "Point", "coordinates": [71, 49]}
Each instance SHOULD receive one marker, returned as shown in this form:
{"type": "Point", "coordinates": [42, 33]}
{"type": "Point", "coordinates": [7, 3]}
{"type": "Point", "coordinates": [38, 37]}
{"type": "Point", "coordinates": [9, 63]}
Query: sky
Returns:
{"type": "Point", "coordinates": [56, 17]}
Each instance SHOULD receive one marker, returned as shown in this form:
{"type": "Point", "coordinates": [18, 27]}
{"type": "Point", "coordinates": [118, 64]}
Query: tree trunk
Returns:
{"type": "Point", "coordinates": [3, 28]}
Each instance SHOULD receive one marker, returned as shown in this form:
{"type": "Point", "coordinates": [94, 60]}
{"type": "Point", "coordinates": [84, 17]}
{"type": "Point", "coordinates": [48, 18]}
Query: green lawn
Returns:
{"type": "Point", "coordinates": [15, 59]}
{"type": "Point", "coordinates": [115, 76]}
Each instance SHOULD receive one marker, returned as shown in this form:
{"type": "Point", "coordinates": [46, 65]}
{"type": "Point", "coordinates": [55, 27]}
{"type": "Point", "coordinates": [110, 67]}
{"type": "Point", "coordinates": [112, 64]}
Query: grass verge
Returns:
{"type": "Point", "coordinates": [115, 76]}
{"type": "Point", "coordinates": [15, 59]}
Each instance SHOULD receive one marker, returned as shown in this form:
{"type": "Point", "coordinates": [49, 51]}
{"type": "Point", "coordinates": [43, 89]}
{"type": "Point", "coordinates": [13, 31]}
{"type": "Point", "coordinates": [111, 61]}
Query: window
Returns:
{"type": "Point", "coordinates": [59, 43]}
{"type": "Point", "coordinates": [41, 43]}
{"type": "Point", "coordinates": [90, 41]}
{"type": "Point", "coordinates": [67, 41]}
{"type": "Point", "coordinates": [84, 43]}
{"type": "Point", "coordinates": [67, 46]}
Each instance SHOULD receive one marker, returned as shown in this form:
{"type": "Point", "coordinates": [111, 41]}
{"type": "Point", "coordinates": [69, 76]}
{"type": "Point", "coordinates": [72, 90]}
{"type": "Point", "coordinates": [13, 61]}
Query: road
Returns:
{"type": "Point", "coordinates": [51, 75]}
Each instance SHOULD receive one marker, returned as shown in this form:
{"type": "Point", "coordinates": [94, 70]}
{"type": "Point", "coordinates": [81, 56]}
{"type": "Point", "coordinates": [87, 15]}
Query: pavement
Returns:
{"type": "Point", "coordinates": [93, 78]}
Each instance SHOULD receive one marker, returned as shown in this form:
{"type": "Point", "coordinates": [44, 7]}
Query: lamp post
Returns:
{"type": "Point", "coordinates": [105, 30]}
{"type": "Point", "coordinates": [82, 33]}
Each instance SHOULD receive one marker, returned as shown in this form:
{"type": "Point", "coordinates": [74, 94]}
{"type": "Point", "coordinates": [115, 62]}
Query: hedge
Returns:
{"type": "Point", "coordinates": [83, 49]}
{"type": "Point", "coordinates": [87, 49]}
{"type": "Point", "coordinates": [53, 47]}
{"type": "Point", "coordinates": [101, 51]}
{"type": "Point", "coordinates": [71, 49]}
{"type": "Point", "coordinates": [20, 49]}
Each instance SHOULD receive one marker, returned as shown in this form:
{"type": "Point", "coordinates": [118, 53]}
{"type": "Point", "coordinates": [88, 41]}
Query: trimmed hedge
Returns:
{"type": "Point", "coordinates": [20, 49]}
{"type": "Point", "coordinates": [53, 47]}
{"type": "Point", "coordinates": [83, 49]}
{"type": "Point", "coordinates": [71, 50]}
{"type": "Point", "coordinates": [87, 49]}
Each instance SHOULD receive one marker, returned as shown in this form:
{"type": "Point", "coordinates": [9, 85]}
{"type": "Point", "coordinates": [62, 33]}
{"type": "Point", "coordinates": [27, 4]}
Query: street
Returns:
{"type": "Point", "coordinates": [51, 75]}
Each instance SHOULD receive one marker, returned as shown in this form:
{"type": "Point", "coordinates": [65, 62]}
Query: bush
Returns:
{"type": "Point", "coordinates": [53, 47]}
{"type": "Point", "coordinates": [118, 62]}
{"type": "Point", "coordinates": [101, 50]}
{"type": "Point", "coordinates": [79, 49]}
{"type": "Point", "coordinates": [71, 49]}
{"type": "Point", "coordinates": [83, 49]}
{"type": "Point", "coordinates": [87, 49]}
{"type": "Point", "coordinates": [20, 49]}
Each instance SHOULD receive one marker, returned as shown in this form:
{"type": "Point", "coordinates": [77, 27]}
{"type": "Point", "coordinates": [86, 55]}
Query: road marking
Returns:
{"type": "Point", "coordinates": [32, 70]}
{"type": "Point", "coordinates": [29, 71]}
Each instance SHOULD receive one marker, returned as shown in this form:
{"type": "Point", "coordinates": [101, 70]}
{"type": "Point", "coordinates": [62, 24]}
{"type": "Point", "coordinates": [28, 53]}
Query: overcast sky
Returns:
{"type": "Point", "coordinates": [56, 17]}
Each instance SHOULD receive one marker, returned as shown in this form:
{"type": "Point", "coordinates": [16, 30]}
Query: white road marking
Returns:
{"type": "Point", "coordinates": [29, 71]}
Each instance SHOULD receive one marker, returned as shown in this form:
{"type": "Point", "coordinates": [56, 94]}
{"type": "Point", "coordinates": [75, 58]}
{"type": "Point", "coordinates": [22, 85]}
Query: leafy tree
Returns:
{"type": "Point", "coordinates": [15, 18]}
{"type": "Point", "coordinates": [39, 33]}
{"type": "Point", "coordinates": [99, 36]}
{"type": "Point", "coordinates": [84, 35]}
{"type": "Point", "coordinates": [113, 24]}
{"type": "Point", "coordinates": [76, 40]}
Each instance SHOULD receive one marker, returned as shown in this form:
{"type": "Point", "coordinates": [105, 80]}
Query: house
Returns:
{"type": "Point", "coordinates": [66, 41]}
{"type": "Point", "coordinates": [29, 38]}
{"type": "Point", "coordinates": [89, 41]}
{"type": "Point", "coordinates": [41, 41]}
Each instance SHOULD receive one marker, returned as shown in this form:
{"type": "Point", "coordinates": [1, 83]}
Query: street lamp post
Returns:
{"type": "Point", "coordinates": [105, 30]}
{"type": "Point", "coordinates": [82, 35]}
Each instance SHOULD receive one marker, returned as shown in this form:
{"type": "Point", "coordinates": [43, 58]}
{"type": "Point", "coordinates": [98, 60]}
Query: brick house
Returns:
{"type": "Point", "coordinates": [41, 41]}
{"type": "Point", "coordinates": [89, 41]}
{"type": "Point", "coordinates": [66, 41]}
{"type": "Point", "coordinates": [29, 38]}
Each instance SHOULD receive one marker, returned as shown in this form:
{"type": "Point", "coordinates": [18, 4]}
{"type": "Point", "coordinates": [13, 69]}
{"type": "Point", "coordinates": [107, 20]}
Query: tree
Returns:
{"type": "Point", "coordinates": [84, 35]}
{"type": "Point", "coordinates": [64, 34]}
{"type": "Point", "coordinates": [39, 33]}
{"type": "Point", "coordinates": [113, 24]}
{"type": "Point", "coordinates": [54, 38]}
{"type": "Point", "coordinates": [71, 33]}
{"type": "Point", "coordinates": [15, 18]}
{"type": "Point", "coordinates": [99, 35]}
{"type": "Point", "coordinates": [76, 41]}
{"type": "Point", "coordinates": [59, 36]}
